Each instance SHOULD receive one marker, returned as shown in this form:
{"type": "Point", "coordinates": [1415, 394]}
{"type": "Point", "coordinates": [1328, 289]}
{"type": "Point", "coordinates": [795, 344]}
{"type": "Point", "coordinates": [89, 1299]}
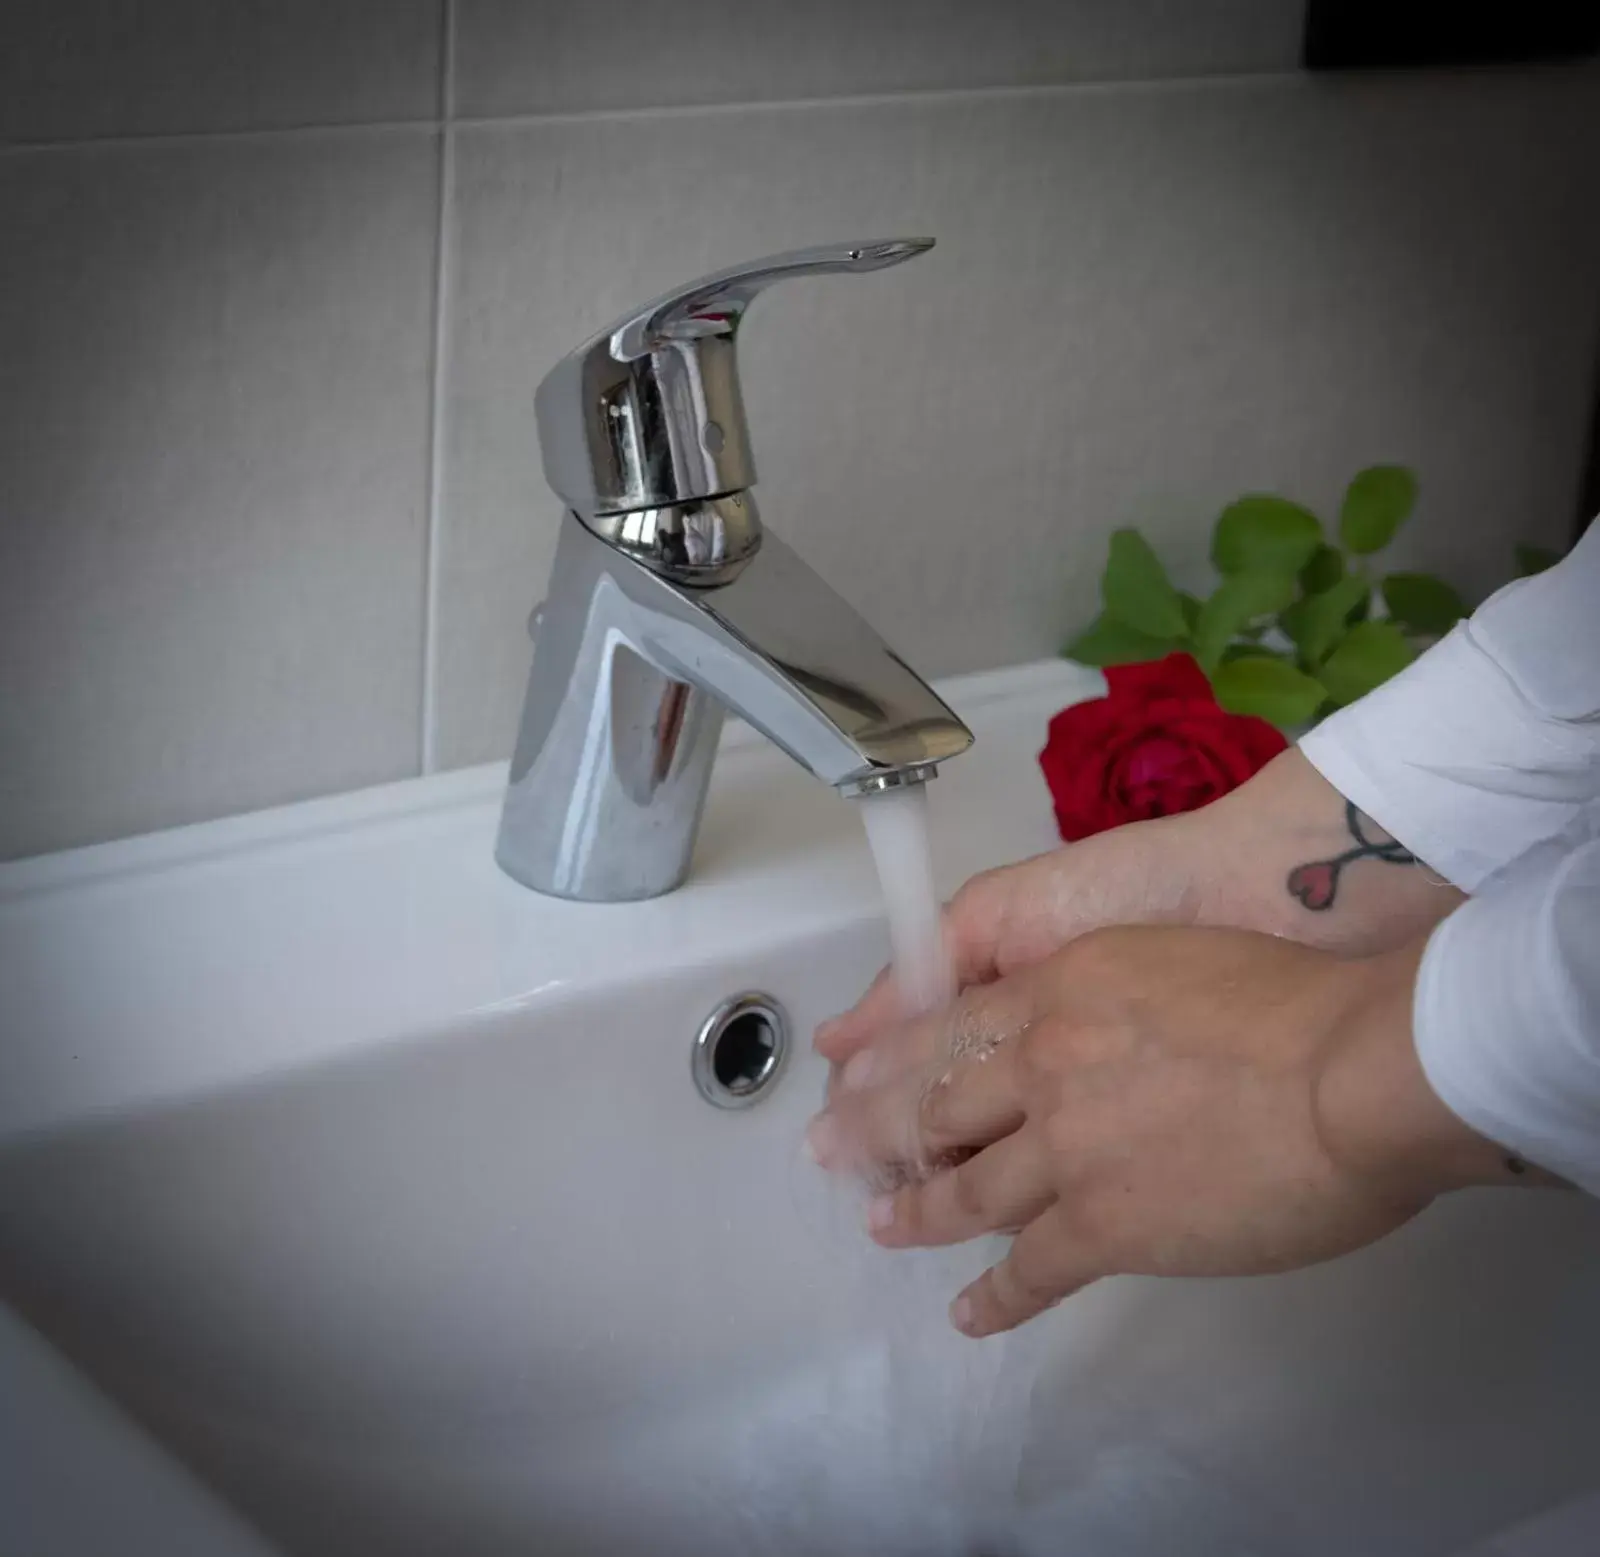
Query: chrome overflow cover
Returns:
{"type": "Point", "coordinates": [740, 1050]}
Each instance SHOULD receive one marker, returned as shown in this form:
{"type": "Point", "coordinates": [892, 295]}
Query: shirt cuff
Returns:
{"type": "Point", "coordinates": [1450, 758]}
{"type": "Point", "coordinates": [1506, 1012]}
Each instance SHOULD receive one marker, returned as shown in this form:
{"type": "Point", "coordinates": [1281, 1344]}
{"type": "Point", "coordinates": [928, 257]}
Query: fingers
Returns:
{"type": "Point", "coordinates": [978, 1022]}
{"type": "Point", "coordinates": [1044, 1266]}
{"type": "Point", "coordinates": [921, 1115]}
{"type": "Point", "coordinates": [973, 921]}
{"type": "Point", "coordinates": [1004, 1186]}
{"type": "Point", "coordinates": [841, 1036]}
{"type": "Point", "coordinates": [1012, 917]}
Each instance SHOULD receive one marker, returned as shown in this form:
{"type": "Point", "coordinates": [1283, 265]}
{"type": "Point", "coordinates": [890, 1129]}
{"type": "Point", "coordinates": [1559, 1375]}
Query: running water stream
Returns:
{"type": "Point", "coordinates": [955, 1410]}
{"type": "Point", "coordinates": [897, 833]}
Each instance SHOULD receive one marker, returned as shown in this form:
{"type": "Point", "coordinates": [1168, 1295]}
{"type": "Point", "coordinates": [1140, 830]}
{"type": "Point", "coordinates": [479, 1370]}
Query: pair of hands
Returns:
{"type": "Point", "coordinates": [1135, 1089]}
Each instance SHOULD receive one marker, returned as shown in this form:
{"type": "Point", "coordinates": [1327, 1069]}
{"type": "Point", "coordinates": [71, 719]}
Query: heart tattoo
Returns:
{"type": "Point", "coordinates": [1316, 883]}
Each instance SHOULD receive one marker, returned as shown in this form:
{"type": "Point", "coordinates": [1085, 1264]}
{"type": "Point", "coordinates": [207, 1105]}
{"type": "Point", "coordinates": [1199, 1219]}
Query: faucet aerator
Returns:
{"type": "Point", "coordinates": [893, 778]}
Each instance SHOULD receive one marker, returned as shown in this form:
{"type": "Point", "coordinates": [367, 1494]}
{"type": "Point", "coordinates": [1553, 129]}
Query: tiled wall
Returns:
{"type": "Point", "coordinates": [277, 282]}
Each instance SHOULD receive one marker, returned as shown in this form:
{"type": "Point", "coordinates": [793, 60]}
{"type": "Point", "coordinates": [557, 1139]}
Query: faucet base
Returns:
{"type": "Point", "coordinates": [631, 672]}
{"type": "Point", "coordinates": [614, 756]}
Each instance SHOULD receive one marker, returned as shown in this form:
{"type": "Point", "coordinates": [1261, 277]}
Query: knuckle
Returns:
{"type": "Point", "coordinates": [1097, 1221]}
{"type": "Point", "coordinates": [1096, 955]}
{"type": "Point", "coordinates": [1035, 1046]}
{"type": "Point", "coordinates": [1061, 1134]}
{"type": "Point", "coordinates": [966, 1192]}
{"type": "Point", "coordinates": [974, 892]}
{"type": "Point", "coordinates": [962, 905]}
{"type": "Point", "coordinates": [1020, 1288]}
{"type": "Point", "coordinates": [908, 1212]}
{"type": "Point", "coordinates": [1086, 1216]}
{"type": "Point", "coordinates": [1041, 1052]}
{"type": "Point", "coordinates": [934, 1107]}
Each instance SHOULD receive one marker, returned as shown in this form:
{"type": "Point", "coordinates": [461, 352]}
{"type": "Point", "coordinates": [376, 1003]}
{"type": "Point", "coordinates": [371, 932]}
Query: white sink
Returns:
{"type": "Point", "coordinates": [377, 1188]}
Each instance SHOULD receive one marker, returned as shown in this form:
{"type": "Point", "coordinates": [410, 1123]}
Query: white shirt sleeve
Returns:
{"type": "Point", "coordinates": [1507, 1010]}
{"type": "Point", "coordinates": [1490, 742]}
{"type": "Point", "coordinates": [1483, 759]}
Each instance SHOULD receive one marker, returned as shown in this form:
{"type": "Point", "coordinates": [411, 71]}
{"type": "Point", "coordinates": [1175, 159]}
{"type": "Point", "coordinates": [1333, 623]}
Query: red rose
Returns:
{"type": "Point", "coordinates": [1155, 745]}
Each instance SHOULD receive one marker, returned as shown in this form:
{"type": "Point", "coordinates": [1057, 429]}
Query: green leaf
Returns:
{"type": "Point", "coordinates": [1423, 603]}
{"type": "Point", "coordinates": [1252, 651]}
{"type": "Point", "coordinates": [1535, 559]}
{"type": "Point", "coordinates": [1110, 642]}
{"type": "Point", "coordinates": [1324, 570]}
{"type": "Point", "coordinates": [1369, 655]}
{"type": "Point", "coordinates": [1233, 605]}
{"type": "Point", "coordinates": [1318, 621]}
{"type": "Point", "coordinates": [1136, 589]}
{"type": "Point", "coordinates": [1268, 688]}
{"type": "Point", "coordinates": [1262, 533]}
{"type": "Point", "coordinates": [1376, 504]}
{"type": "Point", "coordinates": [1191, 610]}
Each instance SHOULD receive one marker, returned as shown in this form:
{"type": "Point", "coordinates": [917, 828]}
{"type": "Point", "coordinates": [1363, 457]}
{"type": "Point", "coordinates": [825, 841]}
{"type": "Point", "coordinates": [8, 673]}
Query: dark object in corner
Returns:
{"type": "Point", "coordinates": [1414, 34]}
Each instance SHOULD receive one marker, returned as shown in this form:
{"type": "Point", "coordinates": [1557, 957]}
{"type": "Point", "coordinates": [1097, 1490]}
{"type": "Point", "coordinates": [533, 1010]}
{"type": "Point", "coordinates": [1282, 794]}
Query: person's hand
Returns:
{"type": "Point", "coordinates": [1158, 1101]}
{"type": "Point", "coordinates": [1230, 864]}
{"type": "Point", "coordinates": [1009, 918]}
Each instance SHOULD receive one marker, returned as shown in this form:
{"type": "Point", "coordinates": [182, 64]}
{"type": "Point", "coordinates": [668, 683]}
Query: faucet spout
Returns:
{"type": "Point", "coordinates": [783, 651]}
{"type": "Point", "coordinates": [632, 672]}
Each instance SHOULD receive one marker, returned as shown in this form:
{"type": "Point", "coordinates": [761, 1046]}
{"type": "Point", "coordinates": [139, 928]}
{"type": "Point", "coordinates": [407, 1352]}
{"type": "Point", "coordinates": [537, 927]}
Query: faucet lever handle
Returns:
{"type": "Point", "coordinates": [647, 413]}
{"type": "Point", "coordinates": [715, 304]}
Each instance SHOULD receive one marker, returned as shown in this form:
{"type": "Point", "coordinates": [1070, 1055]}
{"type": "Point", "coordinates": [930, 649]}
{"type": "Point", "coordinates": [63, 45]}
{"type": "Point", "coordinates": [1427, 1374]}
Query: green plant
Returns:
{"type": "Point", "coordinates": [1299, 623]}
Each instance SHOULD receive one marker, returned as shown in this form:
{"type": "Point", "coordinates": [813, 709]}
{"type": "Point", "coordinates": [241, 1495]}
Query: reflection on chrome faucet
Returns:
{"type": "Point", "coordinates": [669, 603]}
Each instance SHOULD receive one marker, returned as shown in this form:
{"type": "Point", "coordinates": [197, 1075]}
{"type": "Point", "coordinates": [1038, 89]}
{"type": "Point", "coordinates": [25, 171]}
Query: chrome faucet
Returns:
{"type": "Point", "coordinates": [669, 603]}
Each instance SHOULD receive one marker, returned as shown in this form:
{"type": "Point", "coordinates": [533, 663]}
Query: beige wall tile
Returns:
{"type": "Point", "coordinates": [512, 57]}
{"type": "Point", "coordinates": [1145, 300]}
{"type": "Point", "coordinates": [71, 69]}
{"type": "Point", "coordinates": [213, 430]}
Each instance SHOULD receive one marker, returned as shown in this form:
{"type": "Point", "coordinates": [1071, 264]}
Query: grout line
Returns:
{"type": "Point", "coordinates": [928, 95]}
{"type": "Point", "coordinates": [428, 754]}
{"type": "Point", "coordinates": [164, 138]}
{"type": "Point", "coordinates": [956, 95]}
{"type": "Point", "coordinates": [935, 96]}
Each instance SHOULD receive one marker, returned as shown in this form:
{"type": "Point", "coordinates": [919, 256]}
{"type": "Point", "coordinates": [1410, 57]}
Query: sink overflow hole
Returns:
{"type": "Point", "coordinates": [740, 1050]}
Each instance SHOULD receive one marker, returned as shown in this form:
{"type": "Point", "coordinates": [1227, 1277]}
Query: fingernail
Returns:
{"type": "Point", "coordinates": [880, 1213]}
{"type": "Point", "coordinates": [858, 1070]}
{"type": "Point", "coordinates": [961, 1314]}
{"type": "Point", "coordinates": [822, 1139]}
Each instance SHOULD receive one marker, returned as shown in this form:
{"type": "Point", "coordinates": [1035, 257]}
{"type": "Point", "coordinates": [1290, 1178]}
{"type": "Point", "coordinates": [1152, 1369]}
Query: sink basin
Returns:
{"type": "Point", "coordinates": [380, 1192]}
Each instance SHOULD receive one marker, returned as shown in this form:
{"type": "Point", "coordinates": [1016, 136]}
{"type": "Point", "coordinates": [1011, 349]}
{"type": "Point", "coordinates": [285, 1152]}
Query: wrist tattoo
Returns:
{"type": "Point", "coordinates": [1316, 883]}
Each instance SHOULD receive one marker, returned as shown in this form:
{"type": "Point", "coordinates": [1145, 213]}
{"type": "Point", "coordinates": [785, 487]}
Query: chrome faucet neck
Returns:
{"type": "Point", "coordinates": [703, 542]}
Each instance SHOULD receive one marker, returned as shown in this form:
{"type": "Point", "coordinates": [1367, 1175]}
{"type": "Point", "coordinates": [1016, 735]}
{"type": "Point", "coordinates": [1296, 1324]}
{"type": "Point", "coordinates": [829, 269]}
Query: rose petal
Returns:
{"type": "Point", "coordinates": [1178, 675]}
{"type": "Point", "coordinates": [1157, 744]}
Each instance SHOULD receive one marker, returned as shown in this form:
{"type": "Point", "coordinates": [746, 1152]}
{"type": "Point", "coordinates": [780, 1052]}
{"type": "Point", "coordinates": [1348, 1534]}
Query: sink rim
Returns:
{"type": "Point", "coordinates": [166, 966]}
